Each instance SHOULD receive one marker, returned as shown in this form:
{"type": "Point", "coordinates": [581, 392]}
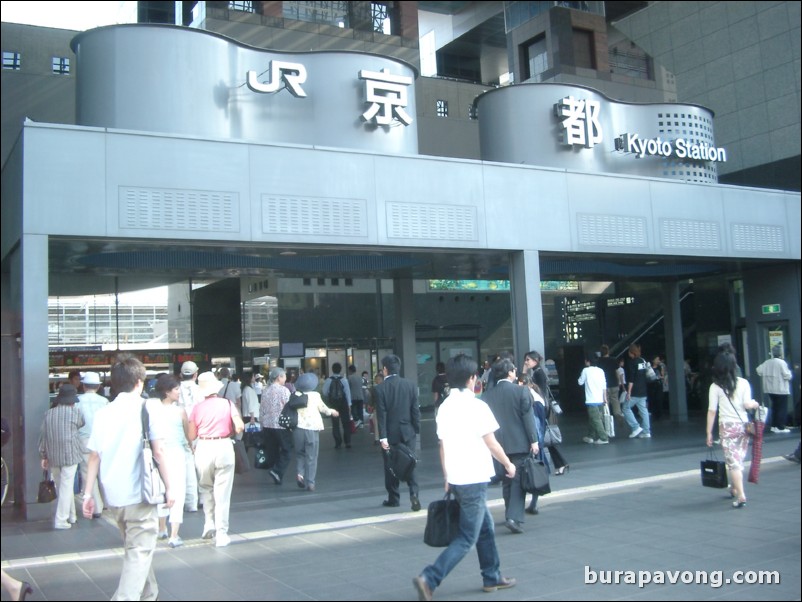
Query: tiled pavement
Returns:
{"type": "Point", "coordinates": [635, 505]}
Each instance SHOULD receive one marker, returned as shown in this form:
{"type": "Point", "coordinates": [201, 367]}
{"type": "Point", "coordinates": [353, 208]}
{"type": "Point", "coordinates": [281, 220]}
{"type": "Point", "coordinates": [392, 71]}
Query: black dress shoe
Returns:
{"type": "Point", "coordinates": [513, 526]}
{"type": "Point", "coordinates": [389, 504]}
{"type": "Point", "coordinates": [415, 503]}
{"type": "Point", "coordinates": [532, 510]}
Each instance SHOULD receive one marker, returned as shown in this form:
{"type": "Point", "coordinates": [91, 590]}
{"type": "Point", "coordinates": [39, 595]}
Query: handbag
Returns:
{"type": "Point", "coordinates": [47, 490]}
{"type": "Point", "coordinates": [241, 462]}
{"type": "Point", "coordinates": [153, 491]}
{"type": "Point", "coordinates": [260, 459]}
{"type": "Point", "coordinates": [442, 521]}
{"type": "Point", "coordinates": [288, 418]}
{"type": "Point", "coordinates": [759, 415]}
{"type": "Point", "coordinates": [714, 472]}
{"type": "Point", "coordinates": [252, 437]}
{"type": "Point", "coordinates": [402, 461]}
{"type": "Point", "coordinates": [553, 436]}
{"type": "Point", "coordinates": [534, 476]}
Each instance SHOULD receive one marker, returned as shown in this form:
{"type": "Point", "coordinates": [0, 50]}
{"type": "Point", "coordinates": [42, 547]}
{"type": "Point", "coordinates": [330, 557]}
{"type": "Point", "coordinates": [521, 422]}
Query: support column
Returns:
{"type": "Point", "coordinates": [675, 353]}
{"type": "Point", "coordinates": [527, 307]}
{"type": "Point", "coordinates": [405, 328]}
{"type": "Point", "coordinates": [34, 367]}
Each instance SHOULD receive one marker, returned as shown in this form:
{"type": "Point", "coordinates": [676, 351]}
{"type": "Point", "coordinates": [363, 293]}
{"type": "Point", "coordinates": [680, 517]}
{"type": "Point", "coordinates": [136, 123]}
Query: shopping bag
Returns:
{"type": "Point", "coordinates": [714, 472]}
{"type": "Point", "coordinates": [442, 522]}
{"type": "Point", "coordinates": [608, 422]}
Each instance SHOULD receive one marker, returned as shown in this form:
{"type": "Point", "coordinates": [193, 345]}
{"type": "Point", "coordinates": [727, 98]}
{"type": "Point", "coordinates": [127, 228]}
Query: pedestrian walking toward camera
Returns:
{"type": "Point", "coordinates": [731, 396]}
{"type": "Point", "coordinates": [465, 428]}
{"type": "Point", "coordinates": [61, 451]}
{"type": "Point", "coordinates": [357, 397]}
{"type": "Point", "coordinates": [776, 380]}
{"type": "Point", "coordinates": [116, 459]}
{"type": "Point", "coordinates": [399, 422]}
{"type": "Point", "coordinates": [592, 378]}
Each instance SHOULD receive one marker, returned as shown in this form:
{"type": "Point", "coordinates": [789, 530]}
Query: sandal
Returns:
{"type": "Point", "coordinates": [737, 504]}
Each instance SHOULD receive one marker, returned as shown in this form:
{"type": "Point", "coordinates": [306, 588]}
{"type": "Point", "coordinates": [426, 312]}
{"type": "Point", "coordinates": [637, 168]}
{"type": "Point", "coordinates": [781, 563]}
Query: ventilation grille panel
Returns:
{"type": "Point", "coordinates": [174, 209]}
{"type": "Point", "coordinates": [314, 216]}
{"type": "Point", "coordinates": [757, 238]}
{"type": "Point", "coordinates": [690, 234]}
{"type": "Point", "coordinates": [432, 222]}
{"type": "Point", "coordinates": [611, 231]}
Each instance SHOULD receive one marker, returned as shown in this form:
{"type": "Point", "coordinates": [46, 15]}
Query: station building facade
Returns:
{"type": "Point", "coordinates": [197, 157]}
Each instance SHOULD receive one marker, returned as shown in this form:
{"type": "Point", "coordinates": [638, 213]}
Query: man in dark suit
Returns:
{"type": "Point", "coordinates": [399, 422]}
{"type": "Point", "coordinates": [511, 405]}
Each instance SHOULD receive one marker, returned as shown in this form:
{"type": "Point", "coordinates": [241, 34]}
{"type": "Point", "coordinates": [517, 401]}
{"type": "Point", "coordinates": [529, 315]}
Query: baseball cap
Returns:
{"type": "Point", "coordinates": [189, 368]}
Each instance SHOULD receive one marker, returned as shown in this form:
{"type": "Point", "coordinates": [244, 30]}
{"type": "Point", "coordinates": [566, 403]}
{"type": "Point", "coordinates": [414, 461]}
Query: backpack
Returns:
{"type": "Point", "coordinates": [336, 392]}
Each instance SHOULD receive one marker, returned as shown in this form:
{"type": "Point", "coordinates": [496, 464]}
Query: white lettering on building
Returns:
{"type": "Point", "coordinates": [282, 74]}
{"type": "Point", "coordinates": [387, 95]}
{"type": "Point", "coordinates": [580, 121]}
{"type": "Point", "coordinates": [679, 148]}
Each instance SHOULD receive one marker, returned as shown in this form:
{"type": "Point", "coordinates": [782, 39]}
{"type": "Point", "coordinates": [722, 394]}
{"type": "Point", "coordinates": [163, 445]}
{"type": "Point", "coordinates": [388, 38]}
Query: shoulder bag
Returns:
{"type": "Point", "coordinates": [402, 461]}
{"type": "Point", "coordinates": [288, 418]}
{"type": "Point", "coordinates": [553, 436]}
{"type": "Point", "coordinates": [153, 491]}
{"type": "Point", "coordinates": [241, 462]}
{"type": "Point", "coordinates": [442, 522]}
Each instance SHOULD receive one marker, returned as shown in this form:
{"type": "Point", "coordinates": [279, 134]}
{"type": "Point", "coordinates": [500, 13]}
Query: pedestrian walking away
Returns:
{"type": "Point", "coordinates": [465, 428]}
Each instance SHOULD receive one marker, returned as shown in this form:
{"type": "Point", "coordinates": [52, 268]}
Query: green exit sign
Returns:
{"type": "Point", "coordinates": [771, 309]}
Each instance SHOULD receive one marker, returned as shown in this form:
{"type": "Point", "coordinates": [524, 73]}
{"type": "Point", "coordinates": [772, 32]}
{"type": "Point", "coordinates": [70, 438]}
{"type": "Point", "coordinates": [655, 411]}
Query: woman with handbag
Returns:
{"type": "Point", "coordinates": [169, 422]}
{"type": "Point", "coordinates": [307, 435]}
{"type": "Point", "coordinates": [213, 421]}
{"type": "Point", "coordinates": [61, 451]}
{"type": "Point", "coordinates": [551, 454]}
{"type": "Point", "coordinates": [731, 396]}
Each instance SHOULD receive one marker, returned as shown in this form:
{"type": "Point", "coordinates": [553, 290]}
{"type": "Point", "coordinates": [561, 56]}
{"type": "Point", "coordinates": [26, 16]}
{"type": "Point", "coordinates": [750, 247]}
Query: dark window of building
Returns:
{"type": "Point", "coordinates": [459, 66]}
{"type": "Point", "coordinates": [12, 60]}
{"type": "Point", "coordinates": [583, 49]}
{"type": "Point", "coordinates": [307, 282]}
{"type": "Point", "coordinates": [246, 7]}
{"type": "Point", "coordinates": [335, 282]}
{"type": "Point", "coordinates": [442, 108]}
{"type": "Point", "coordinates": [61, 65]}
{"type": "Point", "coordinates": [321, 281]}
{"type": "Point", "coordinates": [536, 58]}
{"type": "Point", "coordinates": [349, 282]}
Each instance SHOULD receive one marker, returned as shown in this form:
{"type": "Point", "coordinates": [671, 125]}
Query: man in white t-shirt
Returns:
{"type": "Point", "coordinates": [466, 427]}
{"type": "Point", "coordinates": [595, 399]}
{"type": "Point", "coordinates": [115, 455]}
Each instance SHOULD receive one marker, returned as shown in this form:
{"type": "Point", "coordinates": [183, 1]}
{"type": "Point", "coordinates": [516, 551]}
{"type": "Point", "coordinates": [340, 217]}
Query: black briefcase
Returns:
{"type": "Point", "coordinates": [442, 522]}
{"type": "Point", "coordinates": [402, 462]}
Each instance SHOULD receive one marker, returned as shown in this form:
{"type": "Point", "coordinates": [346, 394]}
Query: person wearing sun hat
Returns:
{"type": "Point", "coordinates": [212, 423]}
{"type": "Point", "coordinates": [89, 403]}
{"type": "Point", "coordinates": [307, 436]}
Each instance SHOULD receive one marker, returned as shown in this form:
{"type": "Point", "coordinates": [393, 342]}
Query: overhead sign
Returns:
{"type": "Point", "coordinates": [771, 309]}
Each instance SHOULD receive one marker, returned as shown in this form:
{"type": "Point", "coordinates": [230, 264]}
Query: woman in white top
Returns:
{"type": "Point", "coordinates": [169, 422]}
{"type": "Point", "coordinates": [307, 435]}
{"type": "Point", "coordinates": [732, 397]}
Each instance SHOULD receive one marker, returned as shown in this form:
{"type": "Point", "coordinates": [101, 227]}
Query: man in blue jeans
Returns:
{"type": "Point", "coordinates": [466, 427]}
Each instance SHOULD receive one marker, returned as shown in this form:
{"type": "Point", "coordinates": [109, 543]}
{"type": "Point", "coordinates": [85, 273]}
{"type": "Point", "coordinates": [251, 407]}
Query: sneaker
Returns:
{"type": "Point", "coordinates": [503, 583]}
{"type": "Point", "coordinates": [588, 440]}
{"type": "Point", "coordinates": [62, 526]}
{"type": "Point", "coordinates": [774, 429]}
{"type": "Point", "coordinates": [635, 433]}
{"type": "Point", "coordinates": [275, 476]}
{"type": "Point", "coordinates": [422, 587]}
{"type": "Point", "coordinates": [600, 442]}
{"type": "Point", "coordinates": [645, 436]}
{"type": "Point", "coordinates": [175, 542]}
{"type": "Point", "coordinates": [222, 540]}
{"type": "Point", "coordinates": [208, 532]}
{"type": "Point", "coordinates": [162, 535]}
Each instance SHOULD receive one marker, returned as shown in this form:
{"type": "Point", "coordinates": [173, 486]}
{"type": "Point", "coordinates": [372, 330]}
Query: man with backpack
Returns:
{"type": "Point", "coordinates": [337, 395]}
